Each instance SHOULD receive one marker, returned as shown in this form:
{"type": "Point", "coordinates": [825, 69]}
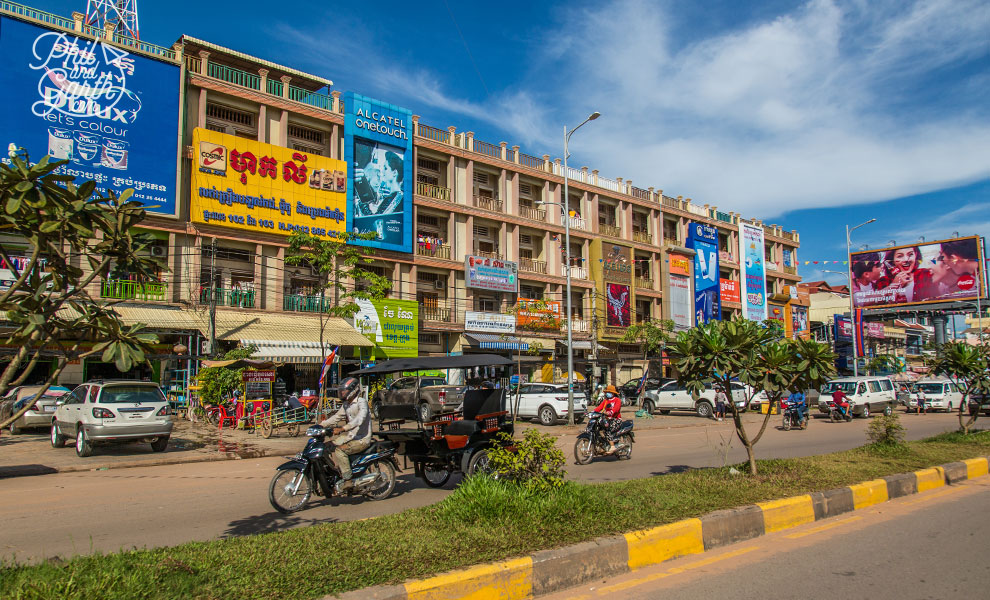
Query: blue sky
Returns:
{"type": "Point", "coordinates": [807, 114]}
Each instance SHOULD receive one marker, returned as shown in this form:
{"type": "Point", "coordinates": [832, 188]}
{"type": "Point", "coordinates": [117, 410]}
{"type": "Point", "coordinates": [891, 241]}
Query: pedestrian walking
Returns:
{"type": "Point", "coordinates": [720, 400]}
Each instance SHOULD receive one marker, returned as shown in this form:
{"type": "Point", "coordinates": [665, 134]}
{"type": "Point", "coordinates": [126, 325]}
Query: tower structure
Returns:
{"type": "Point", "coordinates": [122, 13]}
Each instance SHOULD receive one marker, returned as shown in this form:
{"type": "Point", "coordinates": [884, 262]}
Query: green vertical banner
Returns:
{"type": "Point", "coordinates": [393, 325]}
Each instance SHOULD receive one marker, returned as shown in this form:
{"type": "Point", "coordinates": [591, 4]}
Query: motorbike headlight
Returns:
{"type": "Point", "coordinates": [315, 431]}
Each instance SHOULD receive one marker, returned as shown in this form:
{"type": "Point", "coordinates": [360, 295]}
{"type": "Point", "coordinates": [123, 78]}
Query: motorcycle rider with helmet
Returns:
{"type": "Point", "coordinates": [354, 436]}
{"type": "Point", "coordinates": [839, 397]}
{"type": "Point", "coordinates": [611, 409]}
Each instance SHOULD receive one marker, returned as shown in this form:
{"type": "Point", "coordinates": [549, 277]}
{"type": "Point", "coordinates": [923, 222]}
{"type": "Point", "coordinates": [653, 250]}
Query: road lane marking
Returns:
{"type": "Point", "coordinates": [933, 495]}
{"type": "Point", "coordinates": [673, 571]}
{"type": "Point", "coordinates": [821, 528]}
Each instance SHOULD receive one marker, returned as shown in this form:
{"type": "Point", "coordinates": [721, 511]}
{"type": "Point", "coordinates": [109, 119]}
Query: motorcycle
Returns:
{"type": "Point", "coordinates": [792, 416]}
{"type": "Point", "coordinates": [312, 472]}
{"type": "Point", "coordinates": [837, 414]}
{"type": "Point", "coordinates": [593, 441]}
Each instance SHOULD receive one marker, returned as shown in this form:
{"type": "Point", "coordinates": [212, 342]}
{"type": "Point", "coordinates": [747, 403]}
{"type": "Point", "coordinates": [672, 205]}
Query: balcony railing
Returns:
{"type": "Point", "coordinates": [123, 289]}
{"type": "Point", "coordinates": [642, 236]}
{"type": "Point", "coordinates": [306, 303]}
{"type": "Point", "coordinates": [235, 76]}
{"type": "Point", "coordinates": [433, 250]}
{"type": "Point", "coordinates": [644, 283]}
{"type": "Point", "coordinates": [537, 266]}
{"type": "Point", "coordinates": [432, 312]}
{"type": "Point", "coordinates": [487, 149]}
{"type": "Point", "coordinates": [530, 161]}
{"type": "Point", "coordinates": [492, 204]}
{"type": "Point", "coordinates": [537, 214]}
{"type": "Point", "coordinates": [671, 241]}
{"type": "Point", "coordinates": [790, 270]}
{"type": "Point", "coordinates": [609, 230]}
{"type": "Point", "coordinates": [726, 256]}
{"type": "Point", "coordinates": [226, 297]}
{"type": "Point", "coordinates": [437, 192]}
{"type": "Point", "coordinates": [579, 223]}
{"type": "Point", "coordinates": [577, 326]}
{"type": "Point", "coordinates": [321, 101]}
{"type": "Point", "coordinates": [576, 272]}
{"type": "Point", "coordinates": [433, 133]}
{"type": "Point", "coordinates": [486, 254]}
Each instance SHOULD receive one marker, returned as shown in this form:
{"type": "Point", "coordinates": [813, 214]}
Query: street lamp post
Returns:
{"type": "Point", "coordinates": [565, 207]}
{"type": "Point", "coordinates": [852, 309]}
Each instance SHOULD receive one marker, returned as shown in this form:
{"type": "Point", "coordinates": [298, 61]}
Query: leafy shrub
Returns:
{"type": "Point", "coordinates": [534, 461]}
{"type": "Point", "coordinates": [886, 430]}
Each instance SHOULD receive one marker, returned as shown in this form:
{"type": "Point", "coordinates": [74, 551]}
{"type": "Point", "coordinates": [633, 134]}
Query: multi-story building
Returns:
{"type": "Point", "coordinates": [632, 254]}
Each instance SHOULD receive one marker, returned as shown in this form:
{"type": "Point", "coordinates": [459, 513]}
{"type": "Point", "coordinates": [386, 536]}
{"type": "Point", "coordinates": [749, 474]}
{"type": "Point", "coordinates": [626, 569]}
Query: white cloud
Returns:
{"type": "Point", "coordinates": [969, 219]}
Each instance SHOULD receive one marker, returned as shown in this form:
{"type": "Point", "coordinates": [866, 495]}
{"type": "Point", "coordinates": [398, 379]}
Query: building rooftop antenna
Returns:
{"type": "Point", "coordinates": [122, 13]}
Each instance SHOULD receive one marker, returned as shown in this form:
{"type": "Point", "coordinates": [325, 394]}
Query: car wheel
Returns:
{"type": "Point", "coordinates": [547, 415]}
{"type": "Point", "coordinates": [83, 447]}
{"type": "Point", "coordinates": [704, 410]}
{"type": "Point", "coordinates": [425, 413]}
{"type": "Point", "coordinates": [160, 444]}
{"type": "Point", "coordinates": [578, 420]}
{"type": "Point", "coordinates": [58, 440]}
{"type": "Point", "coordinates": [479, 463]}
{"type": "Point", "coordinates": [15, 430]}
{"type": "Point", "coordinates": [866, 411]}
{"type": "Point", "coordinates": [648, 406]}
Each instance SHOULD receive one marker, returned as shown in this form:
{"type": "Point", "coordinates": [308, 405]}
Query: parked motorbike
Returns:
{"type": "Point", "coordinates": [593, 441]}
{"type": "Point", "coordinates": [312, 472]}
{"type": "Point", "coordinates": [836, 413]}
{"type": "Point", "coordinates": [792, 417]}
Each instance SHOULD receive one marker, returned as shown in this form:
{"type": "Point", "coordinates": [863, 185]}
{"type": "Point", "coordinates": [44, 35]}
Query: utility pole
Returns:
{"type": "Point", "coordinates": [213, 295]}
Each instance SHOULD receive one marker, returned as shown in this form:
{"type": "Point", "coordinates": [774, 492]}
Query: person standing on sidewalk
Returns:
{"type": "Point", "coordinates": [720, 400]}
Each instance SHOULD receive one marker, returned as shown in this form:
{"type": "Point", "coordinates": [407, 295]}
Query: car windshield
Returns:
{"type": "Point", "coordinates": [848, 387]}
{"type": "Point", "coordinates": [930, 388]}
{"type": "Point", "coordinates": [137, 394]}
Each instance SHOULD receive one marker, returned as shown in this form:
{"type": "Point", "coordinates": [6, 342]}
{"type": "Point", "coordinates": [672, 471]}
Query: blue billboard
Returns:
{"type": "Point", "coordinates": [703, 239]}
{"type": "Point", "coordinates": [112, 114]}
{"type": "Point", "coordinates": [379, 153]}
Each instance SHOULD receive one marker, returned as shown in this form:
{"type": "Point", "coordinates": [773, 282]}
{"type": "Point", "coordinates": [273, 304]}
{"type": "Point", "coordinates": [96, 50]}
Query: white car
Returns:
{"type": "Point", "coordinates": [940, 394]}
{"type": "Point", "coordinates": [864, 394]}
{"type": "Point", "coordinates": [112, 411]}
{"type": "Point", "coordinates": [674, 396]}
{"type": "Point", "coordinates": [548, 402]}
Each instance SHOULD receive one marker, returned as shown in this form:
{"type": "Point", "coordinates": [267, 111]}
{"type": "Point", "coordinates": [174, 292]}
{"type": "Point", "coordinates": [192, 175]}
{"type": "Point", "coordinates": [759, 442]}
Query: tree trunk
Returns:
{"type": "Point", "coordinates": [965, 424]}
{"type": "Point", "coordinates": [740, 429]}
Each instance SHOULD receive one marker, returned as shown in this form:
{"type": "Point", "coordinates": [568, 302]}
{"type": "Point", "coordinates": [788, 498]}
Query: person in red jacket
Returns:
{"type": "Point", "coordinates": [611, 409]}
{"type": "Point", "coordinates": [839, 397]}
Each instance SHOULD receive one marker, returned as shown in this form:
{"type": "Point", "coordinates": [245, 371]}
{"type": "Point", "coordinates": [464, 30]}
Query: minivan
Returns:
{"type": "Point", "coordinates": [940, 394]}
{"type": "Point", "coordinates": [865, 395]}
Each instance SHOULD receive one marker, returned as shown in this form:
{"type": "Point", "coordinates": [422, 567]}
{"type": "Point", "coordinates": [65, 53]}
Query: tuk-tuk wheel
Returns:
{"type": "Point", "coordinates": [294, 430]}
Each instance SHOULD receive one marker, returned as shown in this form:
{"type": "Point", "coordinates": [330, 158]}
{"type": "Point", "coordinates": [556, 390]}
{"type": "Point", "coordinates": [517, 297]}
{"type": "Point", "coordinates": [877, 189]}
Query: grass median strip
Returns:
{"type": "Point", "coordinates": [482, 521]}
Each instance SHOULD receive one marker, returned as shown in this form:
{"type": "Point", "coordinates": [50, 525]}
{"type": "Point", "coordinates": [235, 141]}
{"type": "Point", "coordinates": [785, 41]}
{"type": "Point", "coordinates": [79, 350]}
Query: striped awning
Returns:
{"type": "Point", "coordinates": [286, 351]}
{"type": "Point", "coordinates": [492, 341]}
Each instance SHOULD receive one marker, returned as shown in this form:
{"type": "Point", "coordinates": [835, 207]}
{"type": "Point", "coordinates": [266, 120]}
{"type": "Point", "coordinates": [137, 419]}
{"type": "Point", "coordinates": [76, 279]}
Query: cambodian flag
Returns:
{"type": "Point", "coordinates": [326, 365]}
{"type": "Point", "coordinates": [642, 382]}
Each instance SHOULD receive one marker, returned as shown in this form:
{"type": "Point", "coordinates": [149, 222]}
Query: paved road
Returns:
{"type": "Point", "coordinates": [70, 513]}
{"type": "Point", "coordinates": [931, 545]}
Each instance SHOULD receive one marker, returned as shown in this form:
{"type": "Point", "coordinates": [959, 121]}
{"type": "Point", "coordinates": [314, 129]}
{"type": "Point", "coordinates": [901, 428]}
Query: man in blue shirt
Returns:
{"type": "Point", "coordinates": [797, 399]}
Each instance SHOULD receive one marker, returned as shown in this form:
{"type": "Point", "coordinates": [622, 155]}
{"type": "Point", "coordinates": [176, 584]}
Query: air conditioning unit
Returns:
{"type": "Point", "coordinates": [439, 284]}
{"type": "Point", "coordinates": [159, 251]}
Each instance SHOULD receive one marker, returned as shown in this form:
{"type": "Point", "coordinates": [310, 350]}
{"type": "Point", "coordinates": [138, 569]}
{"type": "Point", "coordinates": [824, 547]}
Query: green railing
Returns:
{"type": "Point", "coordinates": [316, 99]}
{"type": "Point", "coordinates": [124, 289]}
{"type": "Point", "coordinates": [275, 87]}
{"type": "Point", "coordinates": [236, 298]}
{"type": "Point", "coordinates": [38, 15]}
{"type": "Point", "coordinates": [300, 303]}
{"type": "Point", "coordinates": [235, 76]}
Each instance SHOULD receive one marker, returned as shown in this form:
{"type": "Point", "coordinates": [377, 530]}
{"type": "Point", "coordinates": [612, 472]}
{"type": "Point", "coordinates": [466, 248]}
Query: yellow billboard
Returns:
{"type": "Point", "coordinates": [246, 184]}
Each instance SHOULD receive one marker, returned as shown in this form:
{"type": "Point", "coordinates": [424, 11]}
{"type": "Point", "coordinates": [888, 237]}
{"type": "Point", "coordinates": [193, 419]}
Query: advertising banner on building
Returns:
{"type": "Point", "coordinates": [729, 290]}
{"type": "Point", "coordinates": [538, 315]}
{"type": "Point", "coordinates": [113, 114]}
{"type": "Point", "coordinates": [489, 322]}
{"type": "Point", "coordinates": [680, 265]}
{"type": "Point", "coordinates": [483, 273]}
{"type": "Point", "coordinates": [612, 272]}
{"type": "Point", "coordinates": [391, 324]}
{"type": "Point", "coordinates": [703, 239]}
{"type": "Point", "coordinates": [875, 330]}
{"type": "Point", "coordinates": [843, 329]}
{"type": "Point", "coordinates": [617, 263]}
{"type": "Point", "coordinates": [943, 271]}
{"type": "Point", "coordinates": [249, 185]}
{"type": "Point", "coordinates": [799, 325]}
{"type": "Point", "coordinates": [378, 147]}
{"type": "Point", "coordinates": [619, 310]}
{"type": "Point", "coordinates": [681, 302]}
{"type": "Point", "coordinates": [754, 304]}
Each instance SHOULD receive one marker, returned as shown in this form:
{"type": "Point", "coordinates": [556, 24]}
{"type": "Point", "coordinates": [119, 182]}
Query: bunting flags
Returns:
{"type": "Point", "coordinates": [826, 262]}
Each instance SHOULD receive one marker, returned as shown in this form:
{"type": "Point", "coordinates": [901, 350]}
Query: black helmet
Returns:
{"type": "Point", "coordinates": [349, 389]}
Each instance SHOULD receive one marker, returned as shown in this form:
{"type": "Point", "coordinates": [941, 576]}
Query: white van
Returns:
{"type": "Point", "coordinates": [866, 395]}
{"type": "Point", "coordinates": [940, 394]}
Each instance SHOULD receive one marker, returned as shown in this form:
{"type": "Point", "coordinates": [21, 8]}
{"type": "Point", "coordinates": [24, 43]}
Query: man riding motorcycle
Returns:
{"type": "Point", "coordinates": [611, 409]}
{"type": "Point", "coordinates": [839, 397]}
{"type": "Point", "coordinates": [797, 399]}
{"type": "Point", "coordinates": [355, 435]}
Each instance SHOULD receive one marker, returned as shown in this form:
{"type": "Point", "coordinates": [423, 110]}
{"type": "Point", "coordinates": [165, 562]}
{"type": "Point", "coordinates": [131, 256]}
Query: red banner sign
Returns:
{"type": "Point", "coordinates": [729, 289]}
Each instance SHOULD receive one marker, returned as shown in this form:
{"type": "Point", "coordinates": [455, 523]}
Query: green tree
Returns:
{"type": "Point", "coordinates": [967, 366]}
{"type": "Point", "coordinates": [73, 235]}
{"type": "Point", "coordinates": [884, 363]}
{"type": "Point", "coordinates": [343, 277]}
{"type": "Point", "coordinates": [217, 383]}
{"type": "Point", "coordinates": [718, 352]}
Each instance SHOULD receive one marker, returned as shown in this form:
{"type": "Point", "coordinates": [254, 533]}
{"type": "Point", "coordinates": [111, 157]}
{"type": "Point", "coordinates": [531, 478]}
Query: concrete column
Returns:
{"type": "Point", "coordinates": [452, 178]}
{"type": "Point", "coordinates": [77, 21]}
{"type": "Point", "coordinates": [262, 123]}
{"type": "Point", "coordinates": [335, 142]}
{"type": "Point", "coordinates": [195, 271]}
{"type": "Point", "coordinates": [503, 191]}
{"type": "Point", "coordinates": [939, 322]}
{"type": "Point", "coordinates": [285, 85]}
{"type": "Point", "coordinates": [503, 146]}
{"type": "Point", "coordinates": [204, 57]}
{"type": "Point", "coordinates": [515, 154]}
{"type": "Point", "coordinates": [626, 223]}
{"type": "Point", "coordinates": [201, 116]}
{"type": "Point", "coordinates": [261, 292]}
{"type": "Point", "coordinates": [453, 134]}
{"type": "Point", "coordinates": [279, 294]}
{"type": "Point", "coordinates": [512, 247]}
{"type": "Point", "coordinates": [335, 103]}
{"type": "Point", "coordinates": [263, 73]}
{"type": "Point", "coordinates": [469, 236]}
{"type": "Point", "coordinates": [591, 219]}
{"type": "Point", "coordinates": [175, 253]}
{"type": "Point", "coordinates": [283, 127]}
{"type": "Point", "coordinates": [546, 163]}
{"type": "Point", "coordinates": [469, 183]}
{"type": "Point", "coordinates": [469, 141]}
{"type": "Point", "coordinates": [514, 186]}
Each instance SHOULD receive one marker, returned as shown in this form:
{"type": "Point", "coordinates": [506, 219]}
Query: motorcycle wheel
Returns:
{"type": "Point", "coordinates": [834, 416]}
{"type": "Point", "coordinates": [583, 451]}
{"type": "Point", "coordinates": [213, 418]}
{"type": "Point", "coordinates": [804, 423]}
{"type": "Point", "coordinates": [479, 463]}
{"type": "Point", "coordinates": [787, 422]}
{"type": "Point", "coordinates": [435, 475]}
{"type": "Point", "coordinates": [387, 471]}
{"type": "Point", "coordinates": [625, 453]}
{"type": "Point", "coordinates": [280, 490]}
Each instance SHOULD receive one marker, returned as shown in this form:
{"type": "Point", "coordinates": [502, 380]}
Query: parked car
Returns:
{"type": "Point", "coordinates": [41, 411]}
{"type": "Point", "coordinates": [940, 394]}
{"type": "Point", "coordinates": [100, 412]}
{"type": "Point", "coordinates": [674, 396]}
{"type": "Point", "coordinates": [548, 402]}
{"type": "Point", "coordinates": [430, 395]}
{"type": "Point", "coordinates": [756, 402]}
{"type": "Point", "coordinates": [865, 395]}
{"type": "Point", "coordinates": [628, 389]}
{"type": "Point", "coordinates": [978, 401]}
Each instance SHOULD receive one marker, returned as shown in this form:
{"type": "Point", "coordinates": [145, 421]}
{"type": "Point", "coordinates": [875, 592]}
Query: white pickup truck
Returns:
{"type": "Point", "coordinates": [674, 396]}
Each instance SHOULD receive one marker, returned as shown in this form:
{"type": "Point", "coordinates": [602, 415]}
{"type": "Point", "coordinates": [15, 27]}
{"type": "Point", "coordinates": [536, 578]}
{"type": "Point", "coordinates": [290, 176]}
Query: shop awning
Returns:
{"type": "Point", "coordinates": [583, 345]}
{"type": "Point", "coordinates": [492, 341]}
{"type": "Point", "coordinates": [287, 351]}
{"type": "Point", "coordinates": [543, 344]}
{"type": "Point", "coordinates": [159, 317]}
{"type": "Point", "coordinates": [274, 328]}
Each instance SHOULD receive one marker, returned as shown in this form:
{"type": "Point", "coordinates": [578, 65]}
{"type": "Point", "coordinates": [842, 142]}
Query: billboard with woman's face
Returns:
{"type": "Point", "coordinates": [943, 271]}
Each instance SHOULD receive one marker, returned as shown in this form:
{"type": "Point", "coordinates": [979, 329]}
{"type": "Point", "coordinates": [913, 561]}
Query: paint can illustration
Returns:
{"type": "Point", "coordinates": [114, 155]}
{"type": "Point", "coordinates": [87, 148]}
{"type": "Point", "coordinates": [60, 143]}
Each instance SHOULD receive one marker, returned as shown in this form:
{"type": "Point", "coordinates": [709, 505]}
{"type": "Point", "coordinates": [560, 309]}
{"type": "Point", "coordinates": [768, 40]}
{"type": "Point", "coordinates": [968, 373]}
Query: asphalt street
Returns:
{"type": "Point", "coordinates": [926, 546]}
{"type": "Point", "coordinates": [71, 513]}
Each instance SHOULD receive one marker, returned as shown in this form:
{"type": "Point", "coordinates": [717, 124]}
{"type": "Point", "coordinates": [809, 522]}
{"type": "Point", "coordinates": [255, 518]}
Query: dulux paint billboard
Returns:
{"type": "Point", "coordinates": [707, 299]}
{"type": "Point", "coordinates": [112, 114]}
